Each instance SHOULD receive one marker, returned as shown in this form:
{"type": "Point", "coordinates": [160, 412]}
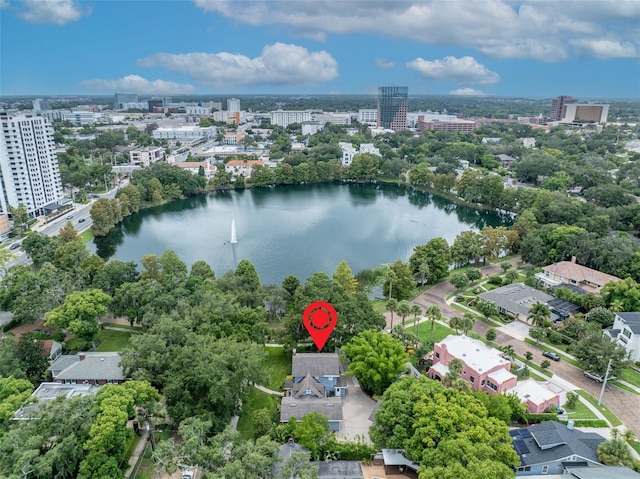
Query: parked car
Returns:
{"type": "Point", "coordinates": [597, 377]}
{"type": "Point", "coordinates": [14, 246]}
{"type": "Point", "coordinates": [551, 355]}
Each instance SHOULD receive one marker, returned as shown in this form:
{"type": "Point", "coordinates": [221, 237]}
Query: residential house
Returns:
{"type": "Point", "coordinates": [536, 396]}
{"type": "Point", "coordinates": [241, 167]}
{"type": "Point", "coordinates": [569, 272]}
{"type": "Point", "coordinates": [146, 156]}
{"type": "Point", "coordinates": [194, 167]}
{"type": "Point", "coordinates": [604, 472]}
{"type": "Point", "coordinates": [516, 300]}
{"type": "Point", "coordinates": [234, 137]}
{"type": "Point", "coordinates": [95, 368]}
{"type": "Point", "coordinates": [47, 392]}
{"type": "Point", "coordinates": [52, 349]}
{"type": "Point", "coordinates": [626, 331]}
{"type": "Point", "coordinates": [326, 469]}
{"type": "Point", "coordinates": [317, 385]}
{"type": "Point", "coordinates": [348, 151]}
{"type": "Point", "coordinates": [505, 160]}
{"type": "Point", "coordinates": [551, 447]}
{"type": "Point", "coordinates": [484, 368]}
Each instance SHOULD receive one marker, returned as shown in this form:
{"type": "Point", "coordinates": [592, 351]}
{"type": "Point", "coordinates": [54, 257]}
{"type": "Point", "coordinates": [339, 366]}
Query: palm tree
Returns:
{"type": "Point", "coordinates": [455, 369]}
{"type": "Point", "coordinates": [511, 275]}
{"type": "Point", "coordinates": [508, 351]}
{"type": "Point", "coordinates": [422, 275]}
{"type": "Point", "coordinates": [390, 276]}
{"type": "Point", "coordinates": [539, 314]}
{"type": "Point", "coordinates": [404, 309]}
{"type": "Point", "coordinates": [392, 307]}
{"type": "Point", "coordinates": [629, 436]}
{"type": "Point", "coordinates": [416, 310]}
{"type": "Point", "coordinates": [456, 323]}
{"type": "Point", "coordinates": [467, 322]}
{"type": "Point", "coordinates": [433, 313]}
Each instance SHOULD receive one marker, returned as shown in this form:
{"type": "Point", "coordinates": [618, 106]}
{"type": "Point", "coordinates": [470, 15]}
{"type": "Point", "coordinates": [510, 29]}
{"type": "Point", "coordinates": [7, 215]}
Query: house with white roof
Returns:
{"type": "Point", "coordinates": [485, 369]}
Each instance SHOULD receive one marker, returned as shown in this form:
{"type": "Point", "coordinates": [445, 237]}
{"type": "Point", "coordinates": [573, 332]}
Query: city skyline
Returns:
{"type": "Point", "coordinates": [497, 48]}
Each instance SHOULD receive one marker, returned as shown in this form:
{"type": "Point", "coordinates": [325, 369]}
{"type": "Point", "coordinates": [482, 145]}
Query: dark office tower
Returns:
{"type": "Point", "coordinates": [558, 107]}
{"type": "Point", "coordinates": [392, 107]}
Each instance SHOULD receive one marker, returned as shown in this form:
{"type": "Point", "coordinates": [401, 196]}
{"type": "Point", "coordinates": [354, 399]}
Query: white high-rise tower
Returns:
{"type": "Point", "coordinates": [29, 171]}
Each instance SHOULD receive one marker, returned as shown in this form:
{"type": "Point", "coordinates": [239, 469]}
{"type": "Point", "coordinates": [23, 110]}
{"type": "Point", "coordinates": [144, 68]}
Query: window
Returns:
{"type": "Point", "coordinates": [437, 355]}
{"type": "Point", "coordinates": [472, 379]}
{"type": "Point", "coordinates": [545, 469]}
{"type": "Point", "coordinates": [627, 332]}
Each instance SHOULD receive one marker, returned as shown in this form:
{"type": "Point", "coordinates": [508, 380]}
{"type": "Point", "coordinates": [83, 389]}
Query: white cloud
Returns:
{"type": "Point", "coordinates": [466, 92]}
{"type": "Point", "coordinates": [461, 70]}
{"type": "Point", "coordinates": [278, 64]}
{"type": "Point", "coordinates": [545, 30]}
{"type": "Point", "coordinates": [137, 84]}
{"type": "Point", "coordinates": [602, 48]}
{"type": "Point", "coordinates": [382, 63]}
{"type": "Point", "coordinates": [4, 4]}
{"type": "Point", "coordinates": [56, 12]}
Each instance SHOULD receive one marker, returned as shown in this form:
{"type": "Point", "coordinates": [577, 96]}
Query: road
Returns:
{"type": "Point", "coordinates": [625, 405]}
{"type": "Point", "coordinates": [80, 218]}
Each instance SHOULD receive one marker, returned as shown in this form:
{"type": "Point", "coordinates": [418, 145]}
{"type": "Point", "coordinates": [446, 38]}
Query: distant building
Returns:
{"type": "Point", "coordinates": [311, 127]}
{"type": "Point", "coordinates": [333, 118]}
{"type": "Point", "coordinates": [124, 98]}
{"type": "Point", "coordinates": [368, 117]}
{"type": "Point", "coordinates": [146, 156]}
{"type": "Point", "coordinates": [348, 151]}
{"type": "Point", "coordinates": [28, 164]}
{"type": "Point", "coordinates": [79, 118]}
{"type": "Point", "coordinates": [234, 137]}
{"type": "Point", "coordinates": [505, 160]}
{"type": "Point", "coordinates": [184, 133]}
{"type": "Point", "coordinates": [39, 104]}
{"type": "Point", "coordinates": [571, 273]}
{"type": "Point", "coordinates": [233, 105]}
{"type": "Point", "coordinates": [155, 105]}
{"type": "Point", "coordinates": [590, 112]}
{"type": "Point", "coordinates": [528, 142]}
{"type": "Point", "coordinates": [241, 167]}
{"type": "Point", "coordinates": [194, 167]}
{"type": "Point", "coordinates": [466, 126]}
{"type": "Point", "coordinates": [286, 117]}
{"type": "Point", "coordinates": [558, 105]}
{"type": "Point", "coordinates": [393, 102]}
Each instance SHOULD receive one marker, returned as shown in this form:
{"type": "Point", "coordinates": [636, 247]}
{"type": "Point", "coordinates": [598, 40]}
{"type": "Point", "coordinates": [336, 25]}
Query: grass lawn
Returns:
{"type": "Point", "coordinates": [439, 331]}
{"type": "Point", "coordinates": [622, 386]}
{"type": "Point", "coordinates": [123, 326]}
{"type": "Point", "coordinates": [581, 411]}
{"type": "Point", "coordinates": [636, 446]}
{"type": "Point", "coordinates": [631, 376]}
{"type": "Point", "coordinates": [254, 400]}
{"type": "Point", "coordinates": [604, 410]}
{"type": "Point", "coordinates": [275, 368]}
{"type": "Point", "coordinates": [87, 235]}
{"type": "Point", "coordinates": [110, 340]}
{"type": "Point", "coordinates": [379, 306]}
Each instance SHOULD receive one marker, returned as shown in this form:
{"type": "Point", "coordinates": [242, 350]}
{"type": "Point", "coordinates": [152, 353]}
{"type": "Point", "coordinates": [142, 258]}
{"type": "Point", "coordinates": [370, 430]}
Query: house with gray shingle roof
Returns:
{"type": "Point", "coordinates": [626, 332]}
{"type": "Point", "coordinates": [317, 385]}
{"type": "Point", "coordinates": [516, 300]}
{"type": "Point", "coordinates": [551, 447]}
{"type": "Point", "coordinates": [96, 368]}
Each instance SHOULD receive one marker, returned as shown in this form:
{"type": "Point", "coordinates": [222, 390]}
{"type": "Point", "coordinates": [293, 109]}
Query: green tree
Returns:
{"type": "Point", "coordinates": [512, 275]}
{"type": "Point", "coordinates": [456, 323]}
{"type": "Point", "coordinates": [538, 334]}
{"type": "Point", "coordinates": [491, 334]}
{"type": "Point", "coordinates": [78, 313]}
{"type": "Point", "coordinates": [404, 310]}
{"type": "Point", "coordinates": [345, 278]}
{"type": "Point", "coordinates": [459, 280]}
{"type": "Point", "coordinates": [434, 314]}
{"type": "Point", "coordinates": [14, 393]}
{"type": "Point", "coordinates": [392, 306]}
{"type": "Point", "coordinates": [376, 360]}
{"type": "Point", "coordinates": [473, 274]}
{"type": "Point", "coordinates": [400, 287]}
{"type": "Point", "coordinates": [539, 314]}
{"type": "Point", "coordinates": [416, 310]}
{"type": "Point", "coordinates": [487, 308]}
{"type": "Point", "coordinates": [467, 323]}
{"type": "Point", "coordinates": [594, 351]}
{"type": "Point", "coordinates": [313, 432]}
{"type": "Point", "coordinates": [436, 255]}
{"type": "Point", "coordinates": [602, 316]}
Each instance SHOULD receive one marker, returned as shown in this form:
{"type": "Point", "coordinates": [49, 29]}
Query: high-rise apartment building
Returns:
{"type": "Point", "coordinates": [29, 171]}
{"type": "Point", "coordinates": [123, 98]}
{"type": "Point", "coordinates": [39, 104]}
{"type": "Point", "coordinates": [392, 107]}
{"type": "Point", "coordinates": [559, 106]}
{"type": "Point", "coordinates": [233, 105]}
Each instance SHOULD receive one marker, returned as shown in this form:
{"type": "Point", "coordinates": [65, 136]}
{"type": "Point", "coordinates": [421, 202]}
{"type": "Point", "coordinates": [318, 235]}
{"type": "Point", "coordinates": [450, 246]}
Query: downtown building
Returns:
{"type": "Point", "coordinates": [393, 102]}
{"type": "Point", "coordinates": [29, 171]}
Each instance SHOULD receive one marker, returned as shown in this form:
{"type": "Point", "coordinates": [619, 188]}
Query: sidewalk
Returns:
{"type": "Point", "coordinates": [137, 454]}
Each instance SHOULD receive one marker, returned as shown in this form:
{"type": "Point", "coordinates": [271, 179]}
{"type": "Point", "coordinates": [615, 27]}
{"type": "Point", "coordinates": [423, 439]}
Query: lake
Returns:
{"type": "Point", "coordinates": [295, 230]}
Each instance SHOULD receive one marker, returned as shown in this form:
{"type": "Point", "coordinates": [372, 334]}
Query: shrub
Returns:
{"type": "Point", "coordinates": [491, 334]}
{"type": "Point", "coordinates": [545, 364]}
{"type": "Point", "coordinates": [537, 418]}
{"type": "Point", "coordinates": [572, 399]}
{"type": "Point", "coordinates": [495, 279]}
{"type": "Point", "coordinates": [555, 337]}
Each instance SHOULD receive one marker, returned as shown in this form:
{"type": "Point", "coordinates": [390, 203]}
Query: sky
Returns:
{"type": "Point", "coordinates": [535, 48]}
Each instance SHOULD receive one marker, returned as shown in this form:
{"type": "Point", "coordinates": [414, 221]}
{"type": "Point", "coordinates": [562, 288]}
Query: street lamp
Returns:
{"type": "Point", "coordinates": [604, 383]}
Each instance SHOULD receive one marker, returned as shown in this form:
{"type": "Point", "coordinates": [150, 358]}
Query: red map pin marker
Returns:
{"type": "Point", "coordinates": [320, 319]}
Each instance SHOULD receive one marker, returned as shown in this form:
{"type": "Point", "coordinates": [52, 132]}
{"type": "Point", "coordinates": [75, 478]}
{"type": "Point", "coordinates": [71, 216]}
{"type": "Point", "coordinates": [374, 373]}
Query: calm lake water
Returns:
{"type": "Point", "coordinates": [294, 229]}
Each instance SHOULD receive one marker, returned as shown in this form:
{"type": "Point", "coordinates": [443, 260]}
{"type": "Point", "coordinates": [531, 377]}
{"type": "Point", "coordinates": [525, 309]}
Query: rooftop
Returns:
{"type": "Point", "coordinates": [49, 392]}
{"type": "Point", "coordinates": [94, 366]}
{"type": "Point", "coordinates": [316, 364]}
{"type": "Point", "coordinates": [632, 320]}
{"type": "Point", "coordinates": [330, 407]}
{"type": "Point", "coordinates": [551, 441]}
{"type": "Point", "coordinates": [532, 390]}
{"type": "Point", "coordinates": [580, 274]}
{"type": "Point", "coordinates": [517, 298]}
{"type": "Point", "coordinates": [473, 353]}
{"type": "Point", "coordinates": [606, 472]}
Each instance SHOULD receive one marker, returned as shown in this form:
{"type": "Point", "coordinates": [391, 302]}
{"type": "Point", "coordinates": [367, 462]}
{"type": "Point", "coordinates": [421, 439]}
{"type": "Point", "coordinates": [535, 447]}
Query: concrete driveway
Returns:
{"type": "Point", "coordinates": [356, 409]}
